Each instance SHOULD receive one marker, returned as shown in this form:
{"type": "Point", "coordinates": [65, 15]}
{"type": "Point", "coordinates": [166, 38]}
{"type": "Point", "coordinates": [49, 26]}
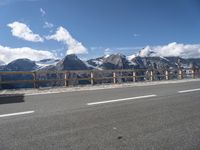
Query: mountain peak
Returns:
{"type": "Point", "coordinates": [71, 62]}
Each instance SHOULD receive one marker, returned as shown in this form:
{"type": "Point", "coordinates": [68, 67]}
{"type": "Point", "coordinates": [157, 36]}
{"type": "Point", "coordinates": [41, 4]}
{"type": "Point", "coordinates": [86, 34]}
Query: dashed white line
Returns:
{"type": "Point", "coordinates": [122, 99]}
{"type": "Point", "coordinates": [16, 114]}
{"type": "Point", "coordinates": [187, 91]}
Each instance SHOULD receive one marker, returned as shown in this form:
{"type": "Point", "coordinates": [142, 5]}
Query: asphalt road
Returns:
{"type": "Point", "coordinates": [133, 118]}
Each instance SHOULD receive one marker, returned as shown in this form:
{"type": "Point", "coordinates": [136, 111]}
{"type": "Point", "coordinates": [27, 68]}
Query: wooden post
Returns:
{"type": "Point", "coordinates": [34, 80]}
{"type": "Point", "coordinates": [66, 79]}
{"type": "Point", "coordinates": [0, 82]}
{"type": "Point", "coordinates": [92, 78]}
{"type": "Point", "coordinates": [134, 76]}
{"type": "Point", "coordinates": [151, 75]}
{"type": "Point", "coordinates": [114, 77]}
{"type": "Point", "coordinates": [193, 73]}
{"type": "Point", "coordinates": [167, 75]}
{"type": "Point", "coordinates": [180, 74]}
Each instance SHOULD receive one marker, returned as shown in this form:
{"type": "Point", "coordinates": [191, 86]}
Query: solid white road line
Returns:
{"type": "Point", "coordinates": [187, 91]}
{"type": "Point", "coordinates": [16, 114]}
{"type": "Point", "coordinates": [119, 100]}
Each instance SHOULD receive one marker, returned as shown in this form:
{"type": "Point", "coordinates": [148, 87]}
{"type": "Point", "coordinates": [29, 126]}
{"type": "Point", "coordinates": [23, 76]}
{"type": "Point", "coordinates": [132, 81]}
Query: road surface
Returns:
{"type": "Point", "coordinates": [133, 118]}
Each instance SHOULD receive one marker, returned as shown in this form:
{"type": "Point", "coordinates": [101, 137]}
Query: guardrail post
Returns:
{"type": "Point", "coordinates": [180, 74]}
{"type": "Point", "coordinates": [151, 75]}
{"type": "Point", "coordinates": [114, 77]}
{"type": "Point", "coordinates": [66, 79]}
{"type": "Point", "coordinates": [0, 81]}
{"type": "Point", "coordinates": [34, 80]}
{"type": "Point", "coordinates": [134, 76]}
{"type": "Point", "coordinates": [193, 73]}
{"type": "Point", "coordinates": [167, 75]}
{"type": "Point", "coordinates": [92, 78]}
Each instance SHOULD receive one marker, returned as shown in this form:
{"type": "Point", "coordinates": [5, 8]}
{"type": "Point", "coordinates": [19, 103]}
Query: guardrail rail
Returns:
{"type": "Point", "coordinates": [36, 79]}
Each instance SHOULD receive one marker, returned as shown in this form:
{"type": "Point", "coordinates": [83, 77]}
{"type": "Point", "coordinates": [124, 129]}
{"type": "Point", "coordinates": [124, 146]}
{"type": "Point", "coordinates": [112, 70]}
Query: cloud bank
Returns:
{"type": "Point", "coordinates": [172, 49]}
{"type": "Point", "coordinates": [74, 46]}
{"type": "Point", "coordinates": [22, 31]}
{"type": "Point", "coordinates": [8, 54]}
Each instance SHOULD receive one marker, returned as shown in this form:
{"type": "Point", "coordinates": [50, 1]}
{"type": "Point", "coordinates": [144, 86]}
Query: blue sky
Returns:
{"type": "Point", "coordinates": [98, 26]}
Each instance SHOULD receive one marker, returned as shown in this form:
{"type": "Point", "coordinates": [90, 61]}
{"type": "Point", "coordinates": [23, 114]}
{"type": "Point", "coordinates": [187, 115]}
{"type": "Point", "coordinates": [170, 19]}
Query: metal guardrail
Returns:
{"type": "Point", "coordinates": [67, 78]}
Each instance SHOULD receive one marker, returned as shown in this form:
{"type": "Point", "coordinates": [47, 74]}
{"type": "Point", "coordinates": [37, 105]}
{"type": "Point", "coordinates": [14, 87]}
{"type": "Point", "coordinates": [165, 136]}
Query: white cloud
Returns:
{"type": "Point", "coordinates": [74, 47]}
{"type": "Point", "coordinates": [43, 12]}
{"type": "Point", "coordinates": [173, 49]}
{"type": "Point", "coordinates": [8, 54]}
{"type": "Point", "coordinates": [48, 25]}
{"type": "Point", "coordinates": [146, 52]}
{"type": "Point", "coordinates": [22, 31]}
{"type": "Point", "coordinates": [108, 51]}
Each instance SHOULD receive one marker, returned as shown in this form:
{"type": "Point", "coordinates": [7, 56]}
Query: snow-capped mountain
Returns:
{"type": "Point", "coordinates": [113, 61]}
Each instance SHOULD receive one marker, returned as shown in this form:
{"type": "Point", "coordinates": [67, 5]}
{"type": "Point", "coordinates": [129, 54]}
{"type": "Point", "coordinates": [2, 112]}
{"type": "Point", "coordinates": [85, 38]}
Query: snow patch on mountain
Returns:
{"type": "Point", "coordinates": [91, 66]}
{"type": "Point", "coordinates": [98, 62]}
{"type": "Point", "coordinates": [106, 56]}
{"type": "Point", "coordinates": [164, 58]}
{"type": "Point", "coordinates": [47, 62]}
{"type": "Point", "coordinates": [131, 57]}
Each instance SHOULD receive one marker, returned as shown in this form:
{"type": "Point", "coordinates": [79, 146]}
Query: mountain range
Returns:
{"type": "Point", "coordinates": [108, 62]}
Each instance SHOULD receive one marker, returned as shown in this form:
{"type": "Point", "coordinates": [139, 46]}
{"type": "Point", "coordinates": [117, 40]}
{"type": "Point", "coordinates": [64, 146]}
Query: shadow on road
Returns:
{"type": "Point", "coordinates": [11, 98]}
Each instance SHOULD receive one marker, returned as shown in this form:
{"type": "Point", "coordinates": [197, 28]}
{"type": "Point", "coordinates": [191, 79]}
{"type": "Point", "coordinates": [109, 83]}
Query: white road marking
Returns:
{"type": "Point", "coordinates": [119, 100]}
{"type": "Point", "coordinates": [187, 91]}
{"type": "Point", "coordinates": [16, 114]}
